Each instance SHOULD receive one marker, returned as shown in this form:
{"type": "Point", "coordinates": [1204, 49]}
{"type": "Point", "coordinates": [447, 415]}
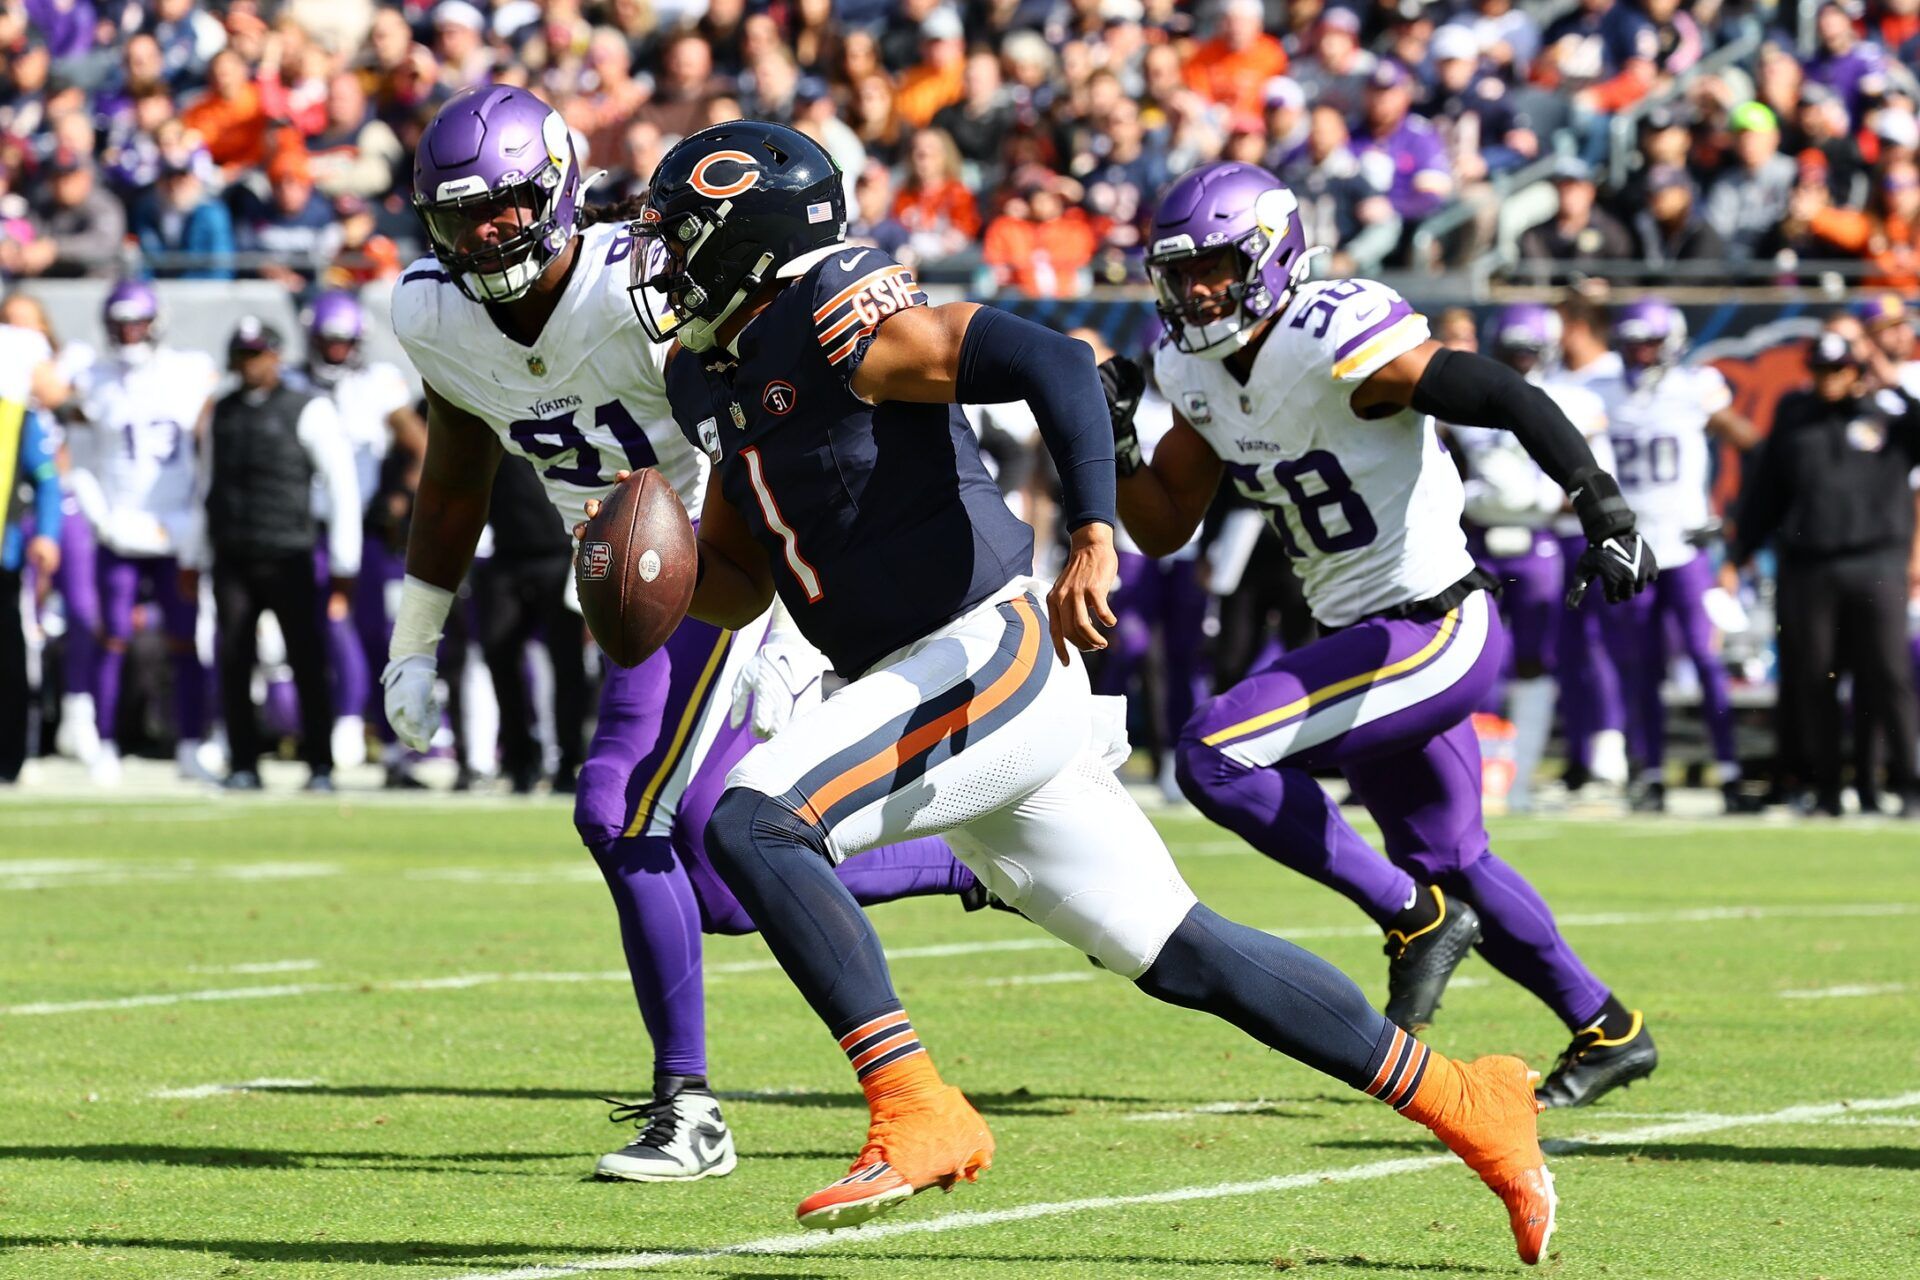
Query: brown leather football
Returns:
{"type": "Point", "coordinates": [636, 567]}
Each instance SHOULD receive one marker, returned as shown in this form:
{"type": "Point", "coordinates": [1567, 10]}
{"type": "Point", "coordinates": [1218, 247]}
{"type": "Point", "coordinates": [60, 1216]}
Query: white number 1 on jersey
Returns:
{"type": "Point", "coordinates": [803, 572]}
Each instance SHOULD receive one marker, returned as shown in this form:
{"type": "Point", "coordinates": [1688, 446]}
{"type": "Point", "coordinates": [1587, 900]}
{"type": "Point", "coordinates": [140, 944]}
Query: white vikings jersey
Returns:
{"type": "Point", "coordinates": [1368, 508]}
{"type": "Point", "coordinates": [21, 352]}
{"type": "Point", "coordinates": [584, 401]}
{"type": "Point", "coordinates": [1657, 424]}
{"type": "Point", "coordinates": [1505, 486]}
{"type": "Point", "coordinates": [364, 398]}
{"type": "Point", "coordinates": [138, 447]}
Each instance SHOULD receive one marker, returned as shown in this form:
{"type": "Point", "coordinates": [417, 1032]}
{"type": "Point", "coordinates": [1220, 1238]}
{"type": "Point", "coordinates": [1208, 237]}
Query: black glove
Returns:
{"type": "Point", "coordinates": [1616, 555]}
{"type": "Point", "coordinates": [1124, 381]}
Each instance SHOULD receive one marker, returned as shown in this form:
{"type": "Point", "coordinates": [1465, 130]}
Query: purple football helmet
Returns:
{"type": "Point", "coordinates": [497, 184]}
{"type": "Point", "coordinates": [334, 324]}
{"type": "Point", "coordinates": [1649, 332]}
{"type": "Point", "coordinates": [131, 315]}
{"type": "Point", "coordinates": [1232, 209]}
{"type": "Point", "coordinates": [1525, 333]}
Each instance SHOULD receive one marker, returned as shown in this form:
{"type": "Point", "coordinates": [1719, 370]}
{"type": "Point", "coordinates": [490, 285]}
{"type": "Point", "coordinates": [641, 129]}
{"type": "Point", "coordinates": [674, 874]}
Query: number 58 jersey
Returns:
{"type": "Point", "coordinates": [587, 399]}
{"type": "Point", "coordinates": [1368, 508]}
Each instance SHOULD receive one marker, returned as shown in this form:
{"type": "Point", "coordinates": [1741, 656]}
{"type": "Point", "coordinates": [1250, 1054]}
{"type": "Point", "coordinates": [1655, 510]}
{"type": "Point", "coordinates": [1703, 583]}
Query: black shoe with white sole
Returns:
{"type": "Point", "coordinates": [681, 1137]}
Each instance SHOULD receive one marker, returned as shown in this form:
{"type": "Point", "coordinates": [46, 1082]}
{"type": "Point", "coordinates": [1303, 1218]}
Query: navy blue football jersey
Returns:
{"type": "Point", "coordinates": [880, 521]}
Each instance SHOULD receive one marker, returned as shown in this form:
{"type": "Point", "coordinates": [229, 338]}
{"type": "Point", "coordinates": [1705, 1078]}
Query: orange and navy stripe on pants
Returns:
{"type": "Point", "coordinates": [879, 1042]}
{"type": "Point", "coordinates": [901, 751]}
{"type": "Point", "coordinates": [1399, 1073]}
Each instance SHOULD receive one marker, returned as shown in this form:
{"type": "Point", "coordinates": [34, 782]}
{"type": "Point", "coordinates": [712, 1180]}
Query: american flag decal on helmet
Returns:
{"type": "Point", "coordinates": [822, 212]}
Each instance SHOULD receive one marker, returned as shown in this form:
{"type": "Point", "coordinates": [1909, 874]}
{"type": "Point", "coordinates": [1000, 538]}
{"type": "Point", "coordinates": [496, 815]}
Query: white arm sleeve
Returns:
{"type": "Point", "coordinates": [319, 431]}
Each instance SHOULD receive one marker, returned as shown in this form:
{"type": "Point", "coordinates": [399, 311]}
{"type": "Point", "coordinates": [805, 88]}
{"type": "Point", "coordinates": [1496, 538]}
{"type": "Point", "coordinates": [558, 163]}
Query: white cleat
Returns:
{"type": "Point", "coordinates": [78, 737]}
{"type": "Point", "coordinates": [104, 768]}
{"type": "Point", "coordinates": [683, 1138]}
{"type": "Point", "coordinates": [197, 761]}
{"type": "Point", "coordinates": [349, 742]}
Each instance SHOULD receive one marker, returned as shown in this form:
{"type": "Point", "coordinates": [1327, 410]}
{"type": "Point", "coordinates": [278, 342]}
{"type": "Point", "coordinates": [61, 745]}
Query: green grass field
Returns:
{"type": "Point", "coordinates": [431, 990]}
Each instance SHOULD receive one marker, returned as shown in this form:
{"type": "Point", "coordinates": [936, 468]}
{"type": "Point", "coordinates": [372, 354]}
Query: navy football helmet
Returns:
{"type": "Point", "coordinates": [731, 208]}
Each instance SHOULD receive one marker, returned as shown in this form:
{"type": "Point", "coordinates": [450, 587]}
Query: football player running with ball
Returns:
{"type": "Point", "coordinates": [825, 388]}
{"type": "Point", "coordinates": [520, 328]}
{"type": "Point", "coordinates": [1317, 399]}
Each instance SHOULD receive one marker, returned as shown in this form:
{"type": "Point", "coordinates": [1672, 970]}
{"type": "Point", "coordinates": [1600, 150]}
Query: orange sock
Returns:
{"type": "Point", "coordinates": [888, 1058]}
{"type": "Point", "coordinates": [910, 1077]}
{"type": "Point", "coordinates": [1438, 1095]}
{"type": "Point", "coordinates": [1415, 1081]}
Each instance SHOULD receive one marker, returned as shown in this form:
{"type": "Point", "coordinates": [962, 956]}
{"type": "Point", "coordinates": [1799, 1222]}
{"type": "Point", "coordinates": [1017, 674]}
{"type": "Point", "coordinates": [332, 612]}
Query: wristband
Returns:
{"type": "Point", "coordinates": [419, 619]}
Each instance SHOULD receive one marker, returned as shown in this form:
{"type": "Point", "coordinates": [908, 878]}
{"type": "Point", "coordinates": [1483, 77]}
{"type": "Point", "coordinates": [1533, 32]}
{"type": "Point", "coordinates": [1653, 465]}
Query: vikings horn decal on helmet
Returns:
{"type": "Point", "coordinates": [131, 316]}
{"type": "Point", "coordinates": [1649, 333]}
{"type": "Point", "coordinates": [334, 325]}
{"type": "Point", "coordinates": [1226, 208]}
{"type": "Point", "coordinates": [731, 208]}
{"type": "Point", "coordinates": [496, 182]}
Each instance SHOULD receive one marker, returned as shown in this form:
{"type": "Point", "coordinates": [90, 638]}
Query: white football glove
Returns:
{"type": "Point", "coordinates": [782, 680]}
{"type": "Point", "coordinates": [413, 699]}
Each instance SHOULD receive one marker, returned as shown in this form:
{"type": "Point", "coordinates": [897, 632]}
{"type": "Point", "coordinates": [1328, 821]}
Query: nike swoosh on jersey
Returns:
{"type": "Point", "coordinates": [849, 262]}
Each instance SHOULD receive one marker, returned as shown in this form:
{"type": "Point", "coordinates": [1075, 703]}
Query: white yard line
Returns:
{"type": "Point", "coordinates": [1204, 1109]}
{"type": "Point", "coordinates": [1842, 993]}
{"type": "Point", "coordinates": [940, 951]}
{"type": "Point", "coordinates": [82, 873]}
{"type": "Point", "coordinates": [815, 1241]}
{"type": "Point", "coordinates": [262, 966]}
{"type": "Point", "coordinates": [244, 1086]}
{"type": "Point", "coordinates": [1044, 979]}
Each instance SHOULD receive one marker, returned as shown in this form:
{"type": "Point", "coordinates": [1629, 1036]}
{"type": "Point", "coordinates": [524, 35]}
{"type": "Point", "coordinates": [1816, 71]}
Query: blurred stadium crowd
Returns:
{"type": "Point", "coordinates": [1011, 144]}
{"type": "Point", "coordinates": [1003, 146]}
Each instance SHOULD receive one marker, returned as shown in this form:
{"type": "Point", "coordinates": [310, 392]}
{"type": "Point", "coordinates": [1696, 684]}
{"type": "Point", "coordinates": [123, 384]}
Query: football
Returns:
{"type": "Point", "coordinates": [636, 567]}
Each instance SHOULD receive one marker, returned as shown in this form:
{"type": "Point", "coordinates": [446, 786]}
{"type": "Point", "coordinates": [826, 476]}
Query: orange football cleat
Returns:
{"type": "Point", "coordinates": [1492, 1127]}
{"type": "Point", "coordinates": [912, 1144]}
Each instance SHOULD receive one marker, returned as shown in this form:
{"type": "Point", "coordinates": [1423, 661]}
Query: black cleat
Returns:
{"type": "Point", "coordinates": [1738, 801]}
{"type": "Point", "coordinates": [1420, 963]}
{"type": "Point", "coordinates": [1594, 1066]}
{"type": "Point", "coordinates": [241, 780]}
{"type": "Point", "coordinates": [1649, 797]}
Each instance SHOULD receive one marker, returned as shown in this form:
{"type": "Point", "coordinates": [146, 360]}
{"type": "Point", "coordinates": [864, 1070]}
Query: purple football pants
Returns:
{"type": "Point", "coordinates": [1636, 635]}
{"type": "Point", "coordinates": [1389, 704]}
{"type": "Point", "coordinates": [1164, 597]}
{"type": "Point", "coordinates": [380, 568]}
{"type": "Point", "coordinates": [119, 578]}
{"type": "Point", "coordinates": [77, 579]}
{"type": "Point", "coordinates": [347, 661]}
{"type": "Point", "coordinates": [645, 794]}
{"type": "Point", "coordinates": [1590, 694]}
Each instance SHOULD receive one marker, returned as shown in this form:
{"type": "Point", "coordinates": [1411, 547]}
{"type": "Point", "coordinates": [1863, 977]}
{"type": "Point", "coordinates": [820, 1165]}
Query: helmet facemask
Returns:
{"type": "Point", "coordinates": [685, 286]}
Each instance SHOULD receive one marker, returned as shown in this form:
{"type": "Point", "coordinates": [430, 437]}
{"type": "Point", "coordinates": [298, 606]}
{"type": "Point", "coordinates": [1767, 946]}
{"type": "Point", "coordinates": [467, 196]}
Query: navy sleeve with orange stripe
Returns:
{"type": "Point", "coordinates": [853, 292]}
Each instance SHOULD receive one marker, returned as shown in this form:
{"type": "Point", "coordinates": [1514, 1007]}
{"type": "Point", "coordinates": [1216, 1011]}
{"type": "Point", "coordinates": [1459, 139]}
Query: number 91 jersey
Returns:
{"type": "Point", "coordinates": [1369, 509]}
{"type": "Point", "coordinates": [585, 400]}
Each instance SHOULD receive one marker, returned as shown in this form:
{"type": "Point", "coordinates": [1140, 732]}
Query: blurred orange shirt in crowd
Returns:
{"type": "Point", "coordinates": [931, 208]}
{"type": "Point", "coordinates": [925, 89]}
{"type": "Point", "coordinates": [1238, 79]}
{"type": "Point", "coordinates": [1041, 259]}
{"type": "Point", "coordinates": [234, 129]}
{"type": "Point", "coordinates": [1888, 243]}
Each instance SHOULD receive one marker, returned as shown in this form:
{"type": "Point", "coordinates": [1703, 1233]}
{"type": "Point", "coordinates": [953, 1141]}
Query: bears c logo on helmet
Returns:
{"type": "Point", "coordinates": [707, 186]}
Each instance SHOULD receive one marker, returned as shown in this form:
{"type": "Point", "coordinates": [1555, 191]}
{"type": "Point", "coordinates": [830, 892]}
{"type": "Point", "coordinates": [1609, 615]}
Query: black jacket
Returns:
{"type": "Point", "coordinates": [1831, 479]}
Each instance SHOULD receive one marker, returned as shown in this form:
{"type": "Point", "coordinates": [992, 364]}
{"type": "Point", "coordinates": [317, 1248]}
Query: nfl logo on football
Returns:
{"type": "Point", "coordinates": [596, 560]}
